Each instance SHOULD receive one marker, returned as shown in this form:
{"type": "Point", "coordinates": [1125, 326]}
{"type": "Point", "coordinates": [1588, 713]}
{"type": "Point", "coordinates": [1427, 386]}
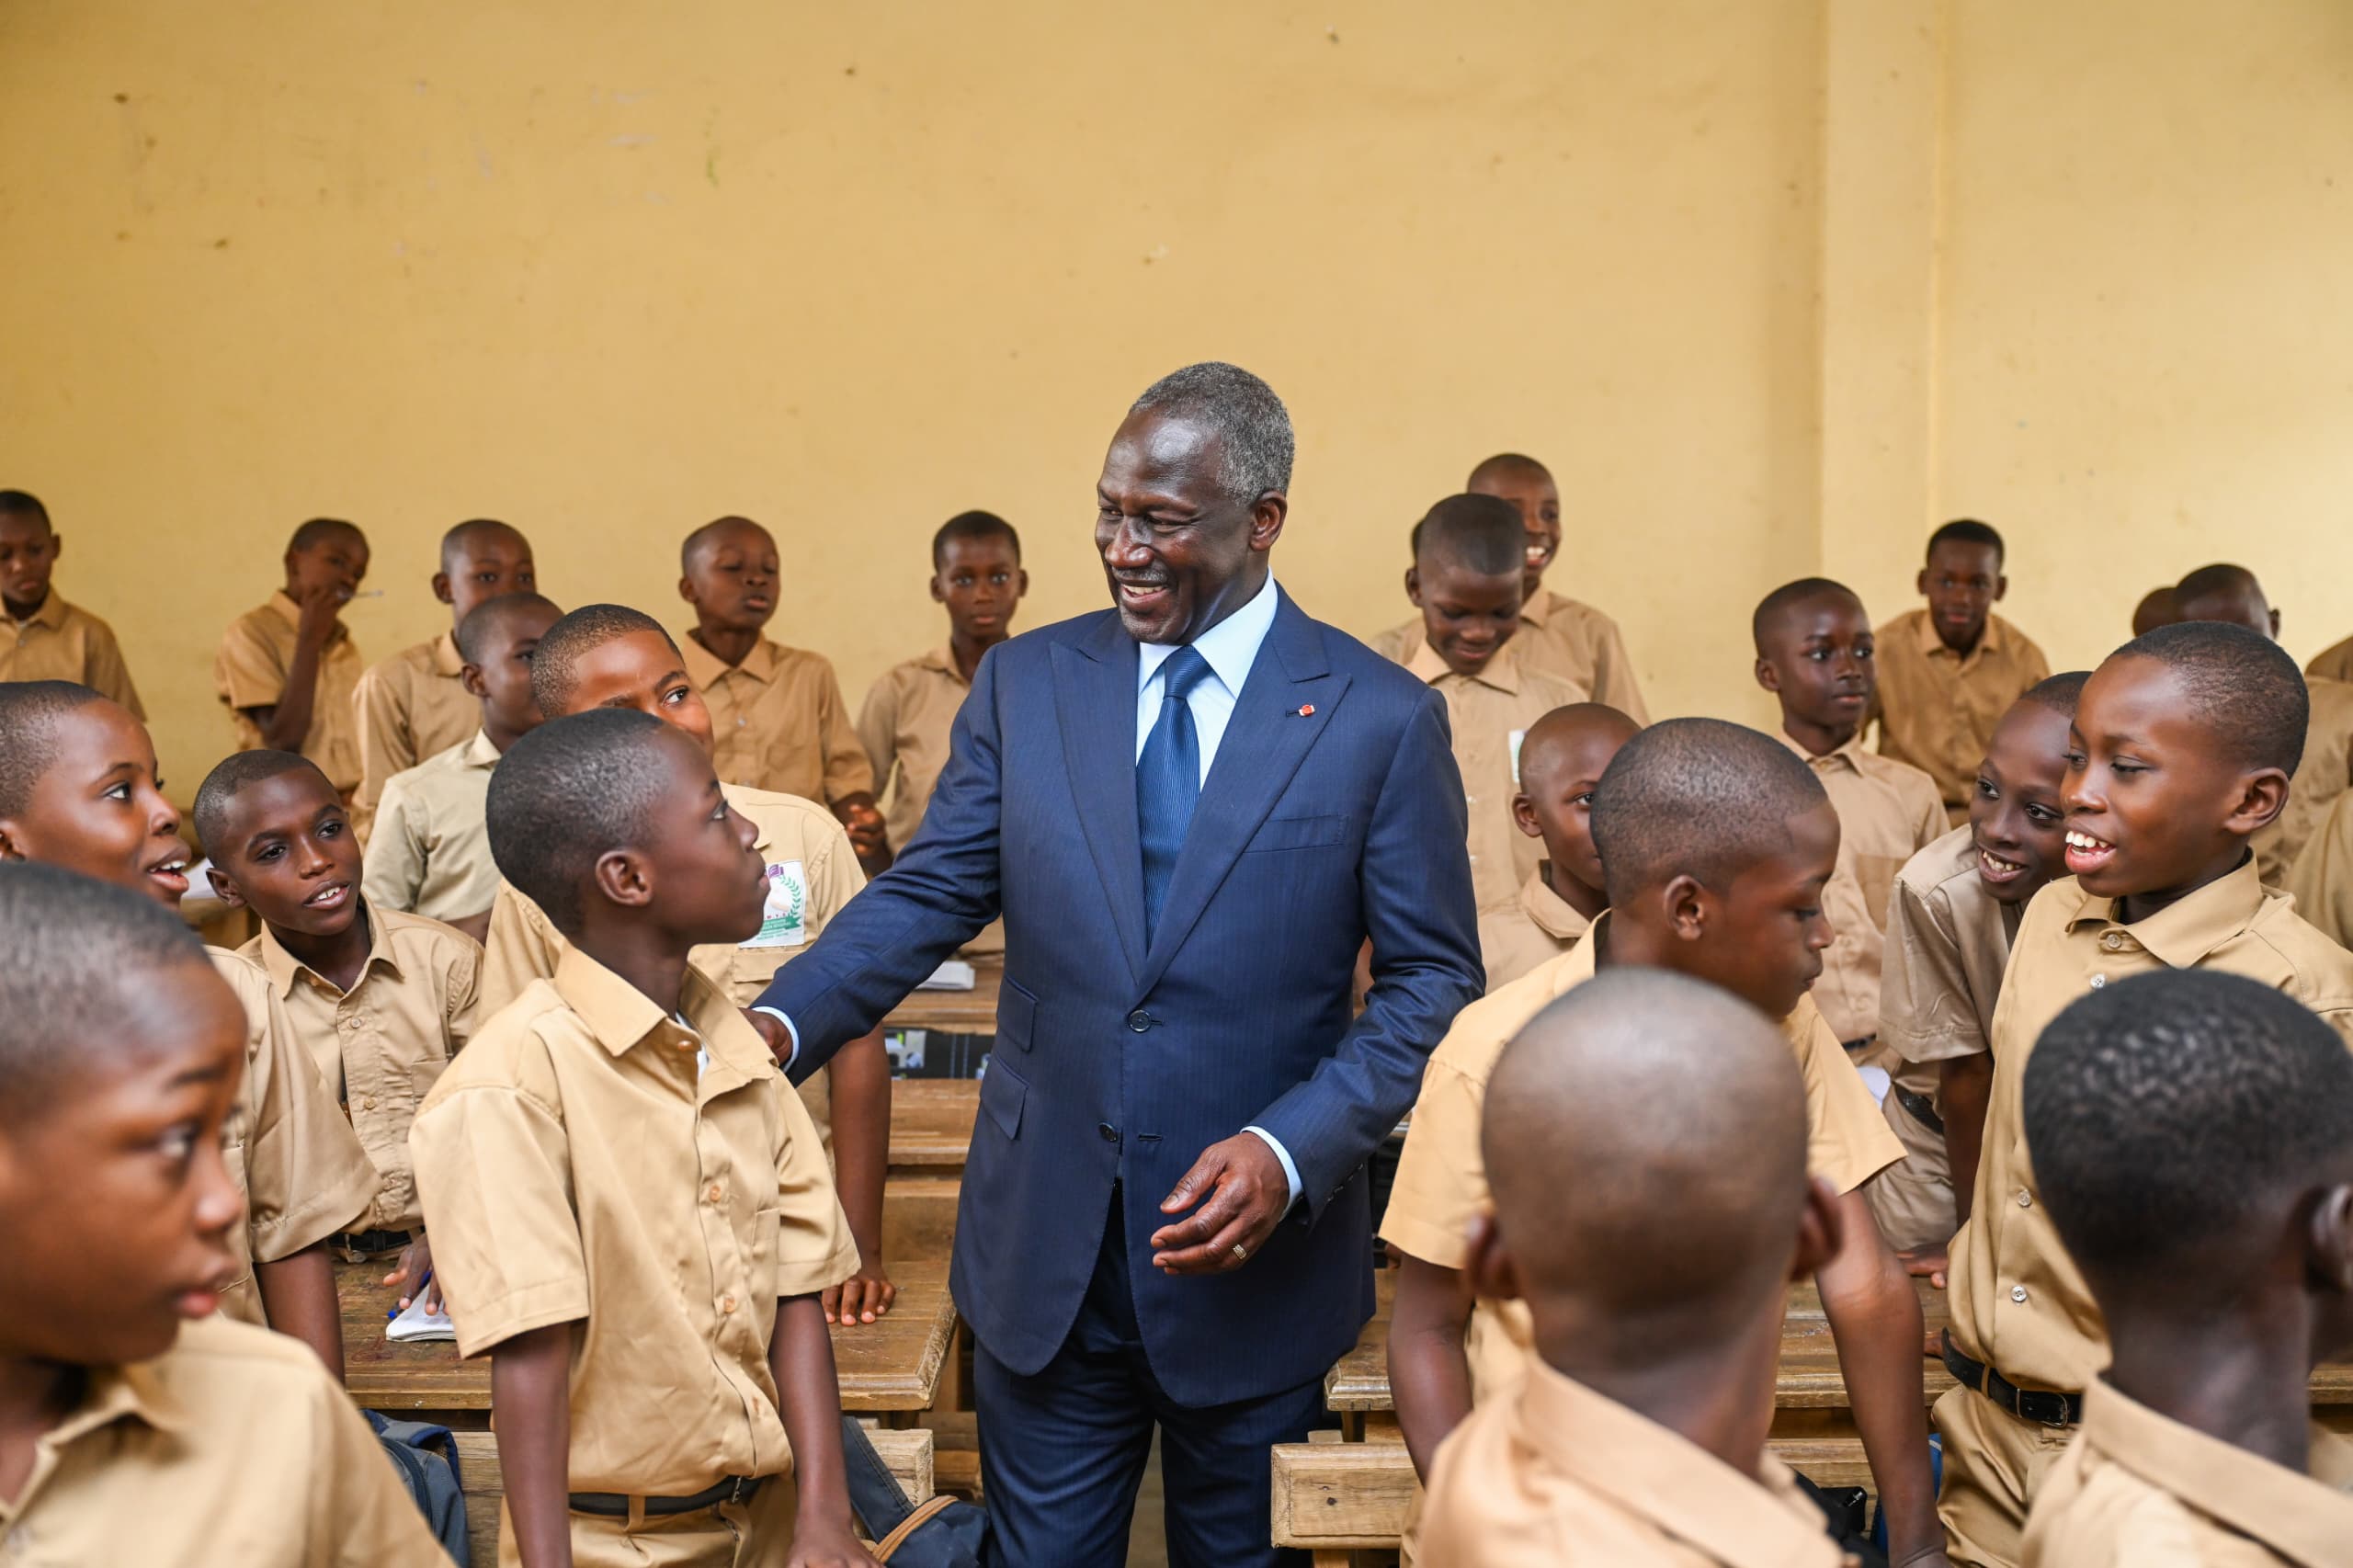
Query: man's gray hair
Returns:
{"type": "Point", "coordinates": [1253, 426]}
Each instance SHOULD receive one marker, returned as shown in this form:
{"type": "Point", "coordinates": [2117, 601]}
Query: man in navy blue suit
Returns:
{"type": "Point", "coordinates": [1192, 809]}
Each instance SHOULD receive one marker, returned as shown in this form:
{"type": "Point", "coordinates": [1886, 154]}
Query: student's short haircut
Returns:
{"type": "Point", "coordinates": [78, 950]}
{"type": "Point", "coordinates": [318, 530]}
{"type": "Point", "coordinates": [30, 715]}
{"type": "Point", "coordinates": [2059, 693]}
{"type": "Point", "coordinates": [483, 621]}
{"type": "Point", "coordinates": [574, 789]}
{"type": "Point", "coordinates": [1696, 797]}
{"type": "Point", "coordinates": [2240, 685]}
{"type": "Point", "coordinates": [2221, 580]}
{"type": "Point", "coordinates": [1479, 533]}
{"type": "Point", "coordinates": [23, 503]}
{"type": "Point", "coordinates": [972, 525]}
{"type": "Point", "coordinates": [236, 773]}
{"type": "Point", "coordinates": [1969, 530]}
{"type": "Point", "coordinates": [1507, 465]}
{"type": "Point", "coordinates": [584, 629]}
{"type": "Point", "coordinates": [1788, 597]}
{"type": "Point", "coordinates": [454, 542]}
{"type": "Point", "coordinates": [703, 538]}
{"type": "Point", "coordinates": [2173, 1110]}
{"type": "Point", "coordinates": [1251, 423]}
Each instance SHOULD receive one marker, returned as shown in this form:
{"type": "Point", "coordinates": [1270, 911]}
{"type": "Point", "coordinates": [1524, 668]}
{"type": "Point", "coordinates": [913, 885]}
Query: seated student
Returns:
{"type": "Point", "coordinates": [616, 1131]}
{"type": "Point", "coordinates": [287, 672]}
{"type": "Point", "coordinates": [2333, 662]}
{"type": "Point", "coordinates": [2193, 1134]}
{"type": "Point", "coordinates": [47, 638]}
{"type": "Point", "coordinates": [977, 573]}
{"type": "Point", "coordinates": [1560, 763]}
{"type": "Point", "coordinates": [1558, 635]}
{"type": "Point", "coordinates": [2155, 609]}
{"type": "Point", "coordinates": [429, 853]}
{"type": "Point", "coordinates": [2321, 881]}
{"type": "Point", "coordinates": [415, 703]}
{"type": "Point", "coordinates": [2181, 754]}
{"type": "Point", "coordinates": [1956, 905]}
{"type": "Point", "coordinates": [127, 1434]}
{"type": "Point", "coordinates": [79, 789]}
{"type": "Point", "coordinates": [1816, 652]}
{"type": "Point", "coordinates": [611, 656]}
{"type": "Point", "coordinates": [2231, 594]}
{"type": "Point", "coordinates": [1716, 843]}
{"type": "Point", "coordinates": [1652, 1234]}
{"type": "Point", "coordinates": [1949, 672]}
{"type": "Point", "coordinates": [777, 712]}
{"type": "Point", "coordinates": [381, 1000]}
{"type": "Point", "coordinates": [1466, 582]}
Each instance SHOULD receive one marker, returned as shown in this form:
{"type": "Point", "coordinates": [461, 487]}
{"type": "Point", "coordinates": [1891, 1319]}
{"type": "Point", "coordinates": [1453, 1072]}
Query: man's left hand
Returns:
{"type": "Point", "coordinates": [1243, 1195]}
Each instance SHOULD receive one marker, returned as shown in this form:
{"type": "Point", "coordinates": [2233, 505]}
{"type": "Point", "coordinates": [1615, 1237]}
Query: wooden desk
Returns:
{"type": "Point", "coordinates": [889, 1369]}
{"type": "Point", "coordinates": [954, 1012]}
{"type": "Point", "coordinates": [931, 1124]}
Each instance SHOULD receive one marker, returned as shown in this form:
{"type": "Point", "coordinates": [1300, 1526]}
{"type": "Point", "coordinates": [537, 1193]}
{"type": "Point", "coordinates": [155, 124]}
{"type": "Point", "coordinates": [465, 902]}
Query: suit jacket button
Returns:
{"type": "Point", "coordinates": [1139, 1020]}
{"type": "Point", "coordinates": [1111, 1133]}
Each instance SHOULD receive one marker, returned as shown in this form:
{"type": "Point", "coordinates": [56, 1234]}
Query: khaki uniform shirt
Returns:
{"type": "Point", "coordinates": [429, 852]}
{"type": "Point", "coordinates": [588, 1152]}
{"type": "Point", "coordinates": [411, 705]}
{"type": "Point", "coordinates": [2017, 1301]}
{"type": "Point", "coordinates": [1537, 925]}
{"type": "Point", "coordinates": [2321, 779]}
{"type": "Point", "coordinates": [1888, 812]}
{"type": "Point", "coordinates": [778, 722]}
{"type": "Point", "coordinates": [1442, 1179]}
{"type": "Point", "coordinates": [2321, 880]}
{"type": "Point", "coordinates": [302, 1172]}
{"type": "Point", "coordinates": [64, 641]}
{"type": "Point", "coordinates": [231, 1450]}
{"type": "Point", "coordinates": [2140, 1490]}
{"type": "Point", "coordinates": [1948, 943]}
{"type": "Point", "coordinates": [905, 726]}
{"type": "Point", "coordinates": [1488, 713]}
{"type": "Point", "coordinates": [250, 672]}
{"type": "Point", "coordinates": [2335, 662]}
{"type": "Point", "coordinates": [1559, 1474]}
{"type": "Point", "coordinates": [380, 1046]}
{"type": "Point", "coordinates": [1561, 637]}
{"type": "Point", "coordinates": [1936, 710]}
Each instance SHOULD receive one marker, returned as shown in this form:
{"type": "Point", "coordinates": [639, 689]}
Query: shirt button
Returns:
{"type": "Point", "coordinates": [2099, 980]}
{"type": "Point", "coordinates": [2112, 941]}
{"type": "Point", "coordinates": [2018, 1292]}
{"type": "Point", "coordinates": [2026, 1198]}
{"type": "Point", "coordinates": [713, 1193]}
{"type": "Point", "coordinates": [727, 1304]}
{"type": "Point", "coordinates": [1109, 1133]}
{"type": "Point", "coordinates": [1139, 1020]}
{"type": "Point", "coordinates": [368, 1104]}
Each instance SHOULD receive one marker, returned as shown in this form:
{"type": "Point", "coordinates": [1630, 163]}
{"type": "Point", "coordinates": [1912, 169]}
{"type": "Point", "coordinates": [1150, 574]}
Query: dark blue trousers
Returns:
{"type": "Point", "coordinates": [1063, 1452]}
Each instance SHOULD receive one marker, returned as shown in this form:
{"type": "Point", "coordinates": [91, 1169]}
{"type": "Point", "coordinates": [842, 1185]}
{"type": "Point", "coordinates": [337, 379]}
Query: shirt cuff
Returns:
{"type": "Point", "coordinates": [794, 1035]}
{"type": "Point", "coordinates": [1290, 1170]}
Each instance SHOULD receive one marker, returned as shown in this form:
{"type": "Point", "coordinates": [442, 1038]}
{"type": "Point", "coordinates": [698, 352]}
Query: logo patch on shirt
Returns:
{"type": "Point", "coordinates": [784, 918]}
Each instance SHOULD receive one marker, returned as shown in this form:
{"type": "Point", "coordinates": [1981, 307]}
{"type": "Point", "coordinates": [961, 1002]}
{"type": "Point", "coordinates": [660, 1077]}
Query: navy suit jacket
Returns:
{"type": "Point", "coordinates": [1117, 1061]}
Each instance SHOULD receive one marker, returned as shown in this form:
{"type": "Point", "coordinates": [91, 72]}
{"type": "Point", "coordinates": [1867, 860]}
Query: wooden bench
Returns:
{"type": "Point", "coordinates": [931, 1131]}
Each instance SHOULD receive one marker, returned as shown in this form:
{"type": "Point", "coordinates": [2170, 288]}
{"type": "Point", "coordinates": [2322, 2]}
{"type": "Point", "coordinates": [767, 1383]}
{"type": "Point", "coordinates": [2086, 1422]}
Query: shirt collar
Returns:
{"type": "Point", "coordinates": [1553, 914]}
{"type": "Point", "coordinates": [481, 752]}
{"type": "Point", "coordinates": [1988, 641]}
{"type": "Point", "coordinates": [446, 660]}
{"type": "Point", "coordinates": [1538, 605]}
{"type": "Point", "coordinates": [705, 668]}
{"type": "Point", "coordinates": [1501, 672]}
{"type": "Point", "coordinates": [2306, 1518]}
{"type": "Point", "coordinates": [622, 1016]}
{"type": "Point", "coordinates": [50, 612]}
{"type": "Point", "coordinates": [109, 1394]}
{"type": "Point", "coordinates": [284, 968]}
{"type": "Point", "coordinates": [1846, 754]}
{"type": "Point", "coordinates": [941, 659]}
{"type": "Point", "coordinates": [2184, 932]}
{"type": "Point", "coordinates": [1230, 646]}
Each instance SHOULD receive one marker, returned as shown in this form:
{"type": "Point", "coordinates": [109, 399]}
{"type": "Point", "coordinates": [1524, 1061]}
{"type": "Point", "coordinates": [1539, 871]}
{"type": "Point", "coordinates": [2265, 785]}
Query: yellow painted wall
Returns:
{"type": "Point", "coordinates": [609, 271]}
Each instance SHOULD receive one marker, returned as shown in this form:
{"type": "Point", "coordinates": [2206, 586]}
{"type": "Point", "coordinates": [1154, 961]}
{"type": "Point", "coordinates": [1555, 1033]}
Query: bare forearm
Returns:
{"type": "Point", "coordinates": [1968, 1085]}
{"type": "Point", "coordinates": [530, 1389]}
{"type": "Point", "coordinates": [298, 1298]}
{"type": "Point", "coordinates": [289, 722]}
{"type": "Point", "coordinates": [1875, 1321]}
{"type": "Point", "coordinates": [1429, 1374]}
{"type": "Point", "coordinates": [809, 1398]}
{"type": "Point", "coordinates": [860, 1082]}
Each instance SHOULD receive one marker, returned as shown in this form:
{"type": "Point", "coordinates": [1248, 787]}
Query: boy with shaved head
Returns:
{"type": "Point", "coordinates": [1561, 762]}
{"type": "Point", "coordinates": [1716, 843]}
{"type": "Point", "coordinates": [287, 672]}
{"type": "Point", "coordinates": [1651, 1235]}
{"type": "Point", "coordinates": [2193, 1135]}
{"type": "Point", "coordinates": [2180, 753]}
{"type": "Point", "coordinates": [416, 704]}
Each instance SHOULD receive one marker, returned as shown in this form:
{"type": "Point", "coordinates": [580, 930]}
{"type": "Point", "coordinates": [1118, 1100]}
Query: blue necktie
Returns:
{"type": "Point", "coordinates": [1168, 781]}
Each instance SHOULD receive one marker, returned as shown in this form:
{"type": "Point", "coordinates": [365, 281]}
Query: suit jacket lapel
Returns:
{"type": "Point", "coordinates": [1265, 742]}
{"type": "Point", "coordinates": [1095, 700]}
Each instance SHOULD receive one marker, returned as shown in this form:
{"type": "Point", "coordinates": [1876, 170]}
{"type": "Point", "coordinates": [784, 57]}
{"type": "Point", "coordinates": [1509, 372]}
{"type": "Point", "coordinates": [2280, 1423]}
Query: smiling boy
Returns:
{"type": "Point", "coordinates": [287, 672]}
{"type": "Point", "coordinates": [46, 638]}
{"type": "Point", "coordinates": [1561, 762]}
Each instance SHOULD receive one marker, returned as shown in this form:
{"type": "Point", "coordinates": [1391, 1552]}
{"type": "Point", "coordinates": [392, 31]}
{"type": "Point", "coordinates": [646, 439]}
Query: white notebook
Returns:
{"type": "Point", "coordinates": [418, 1324]}
{"type": "Point", "coordinates": [953, 975]}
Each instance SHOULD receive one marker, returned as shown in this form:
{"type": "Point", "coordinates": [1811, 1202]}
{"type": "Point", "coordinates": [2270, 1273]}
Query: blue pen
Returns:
{"type": "Point", "coordinates": [394, 1314]}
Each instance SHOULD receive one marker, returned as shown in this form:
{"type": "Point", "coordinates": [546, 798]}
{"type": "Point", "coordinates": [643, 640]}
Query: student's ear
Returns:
{"type": "Point", "coordinates": [12, 841]}
{"type": "Point", "coordinates": [623, 877]}
{"type": "Point", "coordinates": [1767, 676]}
{"type": "Point", "coordinates": [1488, 1267]}
{"type": "Point", "coordinates": [1822, 1228]}
{"type": "Point", "coordinates": [441, 588]}
{"type": "Point", "coordinates": [470, 676]}
{"type": "Point", "coordinates": [224, 888]}
{"type": "Point", "coordinates": [1021, 583]}
{"type": "Point", "coordinates": [939, 594]}
{"type": "Point", "coordinates": [1920, 583]}
{"type": "Point", "coordinates": [2275, 626]}
{"type": "Point", "coordinates": [686, 591]}
{"type": "Point", "coordinates": [56, 546]}
{"type": "Point", "coordinates": [2328, 1240]}
{"type": "Point", "coordinates": [1523, 816]}
{"type": "Point", "coordinates": [2001, 587]}
{"type": "Point", "coordinates": [1684, 903]}
{"type": "Point", "coordinates": [1414, 586]}
{"type": "Point", "coordinates": [2263, 795]}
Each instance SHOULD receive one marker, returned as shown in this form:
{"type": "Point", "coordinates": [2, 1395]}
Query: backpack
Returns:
{"type": "Point", "coordinates": [427, 1460]}
{"type": "Point", "coordinates": [941, 1532]}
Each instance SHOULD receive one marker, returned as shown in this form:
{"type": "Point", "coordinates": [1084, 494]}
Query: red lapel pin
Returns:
{"type": "Point", "coordinates": [1307, 710]}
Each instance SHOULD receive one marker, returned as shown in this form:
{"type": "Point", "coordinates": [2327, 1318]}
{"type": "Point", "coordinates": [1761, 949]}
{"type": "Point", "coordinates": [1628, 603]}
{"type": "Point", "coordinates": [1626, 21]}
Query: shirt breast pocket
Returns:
{"type": "Point", "coordinates": [1298, 833]}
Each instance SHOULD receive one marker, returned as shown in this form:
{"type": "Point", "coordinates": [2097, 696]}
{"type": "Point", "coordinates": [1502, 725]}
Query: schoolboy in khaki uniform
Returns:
{"type": "Point", "coordinates": [2321, 880]}
{"type": "Point", "coordinates": [1560, 763]}
{"type": "Point", "coordinates": [2232, 593]}
{"type": "Point", "coordinates": [616, 1131]}
{"type": "Point", "coordinates": [1716, 844]}
{"type": "Point", "coordinates": [415, 703]}
{"type": "Point", "coordinates": [776, 713]}
{"type": "Point", "coordinates": [2196, 1151]}
{"type": "Point", "coordinates": [1558, 635]}
{"type": "Point", "coordinates": [612, 656]}
{"type": "Point", "coordinates": [127, 1435]}
{"type": "Point", "coordinates": [2182, 748]}
{"type": "Point", "coordinates": [1627, 1444]}
{"type": "Point", "coordinates": [381, 1000]}
{"type": "Point", "coordinates": [429, 854]}
{"type": "Point", "coordinates": [1947, 672]}
{"type": "Point", "coordinates": [46, 639]}
{"type": "Point", "coordinates": [79, 789]}
{"type": "Point", "coordinates": [1956, 907]}
{"type": "Point", "coordinates": [288, 671]}
{"type": "Point", "coordinates": [1816, 653]}
{"type": "Point", "coordinates": [2333, 663]}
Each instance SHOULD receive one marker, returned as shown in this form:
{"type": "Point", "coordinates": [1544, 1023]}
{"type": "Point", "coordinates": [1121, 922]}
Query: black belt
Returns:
{"type": "Point", "coordinates": [368, 1241]}
{"type": "Point", "coordinates": [2044, 1407]}
{"type": "Point", "coordinates": [1922, 1110]}
{"type": "Point", "coordinates": [615, 1505]}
